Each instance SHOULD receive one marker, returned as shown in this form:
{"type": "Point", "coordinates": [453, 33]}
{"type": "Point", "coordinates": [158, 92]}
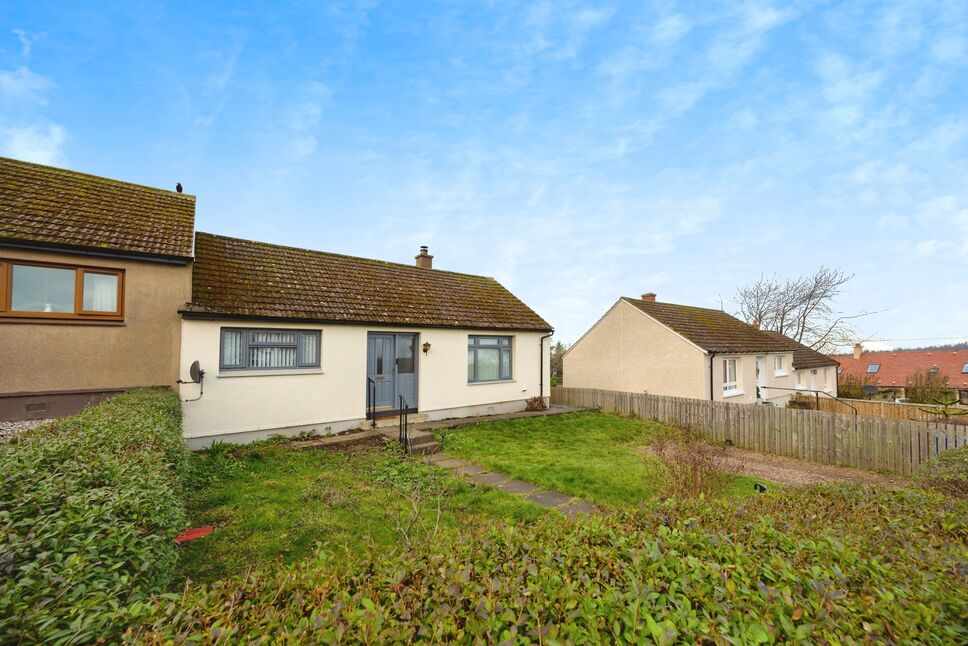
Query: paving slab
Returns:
{"type": "Point", "coordinates": [450, 463]}
{"type": "Point", "coordinates": [549, 498]}
{"type": "Point", "coordinates": [489, 478]}
{"type": "Point", "coordinates": [469, 470]}
{"type": "Point", "coordinates": [580, 507]}
{"type": "Point", "coordinates": [518, 486]}
{"type": "Point", "coordinates": [436, 457]}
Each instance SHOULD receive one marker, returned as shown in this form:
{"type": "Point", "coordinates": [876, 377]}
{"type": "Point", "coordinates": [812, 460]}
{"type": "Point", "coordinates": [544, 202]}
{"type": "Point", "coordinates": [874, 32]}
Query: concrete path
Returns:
{"type": "Point", "coordinates": [568, 505]}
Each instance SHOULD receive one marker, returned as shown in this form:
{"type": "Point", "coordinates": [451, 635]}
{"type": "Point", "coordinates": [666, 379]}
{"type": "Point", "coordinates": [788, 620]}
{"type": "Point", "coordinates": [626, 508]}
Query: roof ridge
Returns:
{"type": "Point", "coordinates": [691, 307]}
{"type": "Point", "coordinates": [111, 180]}
{"type": "Point", "coordinates": [342, 255]}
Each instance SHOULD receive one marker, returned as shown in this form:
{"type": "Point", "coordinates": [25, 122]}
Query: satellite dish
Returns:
{"type": "Point", "coordinates": [868, 390]}
{"type": "Point", "coordinates": [196, 373]}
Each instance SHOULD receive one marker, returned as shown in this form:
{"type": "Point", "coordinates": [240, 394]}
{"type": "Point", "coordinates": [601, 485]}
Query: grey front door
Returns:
{"type": "Point", "coordinates": [379, 368]}
{"type": "Point", "coordinates": [406, 366]}
{"type": "Point", "coordinates": [391, 363]}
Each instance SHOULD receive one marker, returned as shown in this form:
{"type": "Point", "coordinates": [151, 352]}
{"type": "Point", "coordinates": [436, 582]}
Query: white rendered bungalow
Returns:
{"type": "Point", "coordinates": [293, 340]}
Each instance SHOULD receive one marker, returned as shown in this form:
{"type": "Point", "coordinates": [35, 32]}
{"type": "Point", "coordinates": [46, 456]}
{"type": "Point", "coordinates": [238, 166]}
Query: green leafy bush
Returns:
{"type": "Point", "coordinates": [947, 472]}
{"type": "Point", "coordinates": [824, 564]}
{"type": "Point", "coordinates": [88, 509]}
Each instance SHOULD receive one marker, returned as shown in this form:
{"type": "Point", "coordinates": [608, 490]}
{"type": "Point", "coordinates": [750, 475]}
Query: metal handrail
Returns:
{"type": "Point", "coordinates": [371, 400]}
{"type": "Point", "coordinates": [817, 393]}
{"type": "Point", "coordinates": [404, 426]}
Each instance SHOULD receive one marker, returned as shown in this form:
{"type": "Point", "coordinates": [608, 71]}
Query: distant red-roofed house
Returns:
{"type": "Point", "coordinates": [891, 369]}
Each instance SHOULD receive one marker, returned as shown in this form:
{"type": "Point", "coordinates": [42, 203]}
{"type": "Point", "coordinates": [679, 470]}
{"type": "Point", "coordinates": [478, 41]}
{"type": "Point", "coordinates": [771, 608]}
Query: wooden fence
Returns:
{"type": "Point", "coordinates": [896, 446]}
{"type": "Point", "coordinates": [887, 410]}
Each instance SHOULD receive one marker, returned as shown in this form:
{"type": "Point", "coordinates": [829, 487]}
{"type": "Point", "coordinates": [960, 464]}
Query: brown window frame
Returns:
{"type": "Point", "coordinates": [79, 314]}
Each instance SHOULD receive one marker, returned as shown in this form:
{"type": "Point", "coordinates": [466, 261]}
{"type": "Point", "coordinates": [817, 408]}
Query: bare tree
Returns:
{"type": "Point", "coordinates": [558, 351]}
{"type": "Point", "coordinates": [801, 308]}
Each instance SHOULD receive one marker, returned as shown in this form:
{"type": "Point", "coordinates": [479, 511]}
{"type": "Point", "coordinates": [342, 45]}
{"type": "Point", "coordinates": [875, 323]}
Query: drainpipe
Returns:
{"type": "Point", "coordinates": [712, 370]}
{"type": "Point", "coordinates": [541, 363]}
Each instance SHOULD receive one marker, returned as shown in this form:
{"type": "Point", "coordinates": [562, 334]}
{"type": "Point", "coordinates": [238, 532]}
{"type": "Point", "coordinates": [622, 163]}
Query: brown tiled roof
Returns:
{"type": "Point", "coordinates": [62, 208]}
{"type": "Point", "coordinates": [241, 278]}
{"type": "Point", "coordinates": [711, 330]}
{"type": "Point", "coordinates": [804, 357]}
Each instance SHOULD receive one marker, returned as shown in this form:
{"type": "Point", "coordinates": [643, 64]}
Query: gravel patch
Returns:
{"type": "Point", "coordinates": [10, 429]}
{"type": "Point", "coordinates": [791, 471]}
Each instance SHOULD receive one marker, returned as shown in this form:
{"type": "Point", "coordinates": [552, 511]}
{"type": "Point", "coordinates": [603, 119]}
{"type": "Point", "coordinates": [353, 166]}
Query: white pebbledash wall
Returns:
{"type": "Point", "coordinates": [252, 405]}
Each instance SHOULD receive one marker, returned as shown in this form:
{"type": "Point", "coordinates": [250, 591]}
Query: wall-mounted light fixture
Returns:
{"type": "Point", "coordinates": [426, 347]}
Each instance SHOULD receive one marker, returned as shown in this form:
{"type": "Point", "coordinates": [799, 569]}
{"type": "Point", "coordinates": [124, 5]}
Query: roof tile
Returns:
{"type": "Point", "coordinates": [804, 357]}
{"type": "Point", "coordinates": [897, 365]}
{"type": "Point", "coordinates": [242, 278]}
{"type": "Point", "coordinates": [57, 207]}
{"type": "Point", "coordinates": [712, 330]}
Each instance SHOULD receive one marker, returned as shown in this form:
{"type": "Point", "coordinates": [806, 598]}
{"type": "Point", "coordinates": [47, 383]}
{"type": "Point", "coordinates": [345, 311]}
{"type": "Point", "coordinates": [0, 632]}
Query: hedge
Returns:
{"type": "Point", "coordinates": [833, 564]}
{"type": "Point", "coordinates": [947, 472]}
{"type": "Point", "coordinates": [89, 506]}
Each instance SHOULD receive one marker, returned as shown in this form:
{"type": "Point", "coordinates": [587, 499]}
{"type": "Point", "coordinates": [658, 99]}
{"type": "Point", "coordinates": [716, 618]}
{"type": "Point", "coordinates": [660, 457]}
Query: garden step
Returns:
{"type": "Point", "coordinates": [393, 421]}
{"type": "Point", "coordinates": [425, 449]}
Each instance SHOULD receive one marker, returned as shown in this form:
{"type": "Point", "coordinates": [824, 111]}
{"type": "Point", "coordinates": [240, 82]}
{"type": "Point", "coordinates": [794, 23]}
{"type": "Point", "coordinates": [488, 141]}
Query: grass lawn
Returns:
{"type": "Point", "coordinates": [273, 501]}
{"type": "Point", "coordinates": [591, 455]}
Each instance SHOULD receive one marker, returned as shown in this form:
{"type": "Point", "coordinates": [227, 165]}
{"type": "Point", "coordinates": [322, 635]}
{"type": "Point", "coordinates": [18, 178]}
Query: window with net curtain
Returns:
{"type": "Point", "coordinates": [51, 290]}
{"type": "Point", "coordinates": [263, 349]}
{"type": "Point", "coordinates": [488, 358]}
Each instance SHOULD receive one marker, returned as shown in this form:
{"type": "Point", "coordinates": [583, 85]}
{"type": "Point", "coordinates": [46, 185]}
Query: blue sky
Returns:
{"type": "Point", "coordinates": [575, 151]}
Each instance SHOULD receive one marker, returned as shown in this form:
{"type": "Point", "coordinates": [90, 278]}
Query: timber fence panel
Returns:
{"type": "Point", "coordinates": [895, 444]}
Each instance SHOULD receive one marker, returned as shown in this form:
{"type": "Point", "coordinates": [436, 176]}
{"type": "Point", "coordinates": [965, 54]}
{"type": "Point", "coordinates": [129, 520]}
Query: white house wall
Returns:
{"type": "Point", "coordinates": [778, 387]}
{"type": "Point", "coordinates": [246, 406]}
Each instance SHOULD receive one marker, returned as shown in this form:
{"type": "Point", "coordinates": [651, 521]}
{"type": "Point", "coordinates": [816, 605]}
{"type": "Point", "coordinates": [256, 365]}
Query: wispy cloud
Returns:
{"type": "Point", "coordinates": [41, 143]}
{"type": "Point", "coordinates": [23, 86]}
{"type": "Point", "coordinates": [25, 133]}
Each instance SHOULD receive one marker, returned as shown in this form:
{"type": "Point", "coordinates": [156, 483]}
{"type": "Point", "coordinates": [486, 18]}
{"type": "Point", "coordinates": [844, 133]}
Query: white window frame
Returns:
{"type": "Point", "coordinates": [730, 387]}
{"type": "Point", "coordinates": [778, 370]}
{"type": "Point", "coordinates": [800, 379]}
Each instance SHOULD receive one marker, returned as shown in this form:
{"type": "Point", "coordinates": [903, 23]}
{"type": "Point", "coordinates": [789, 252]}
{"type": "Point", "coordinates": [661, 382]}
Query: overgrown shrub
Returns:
{"type": "Point", "coordinates": [535, 403]}
{"type": "Point", "coordinates": [693, 466]}
{"type": "Point", "coordinates": [819, 565]}
{"type": "Point", "coordinates": [802, 403]}
{"type": "Point", "coordinates": [947, 472]}
{"type": "Point", "coordinates": [926, 387]}
{"type": "Point", "coordinates": [851, 386]}
{"type": "Point", "coordinates": [88, 509]}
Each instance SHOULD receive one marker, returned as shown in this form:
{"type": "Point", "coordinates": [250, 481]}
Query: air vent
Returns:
{"type": "Point", "coordinates": [37, 408]}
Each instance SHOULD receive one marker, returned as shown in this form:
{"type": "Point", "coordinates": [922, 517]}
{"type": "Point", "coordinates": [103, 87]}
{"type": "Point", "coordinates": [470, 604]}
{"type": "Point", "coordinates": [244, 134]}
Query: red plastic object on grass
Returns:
{"type": "Point", "coordinates": [192, 534]}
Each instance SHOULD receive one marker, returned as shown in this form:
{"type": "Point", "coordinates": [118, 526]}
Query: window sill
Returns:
{"type": "Point", "coordinates": [228, 374]}
{"type": "Point", "coordinates": [781, 374]}
{"type": "Point", "coordinates": [489, 383]}
{"type": "Point", "coordinates": [733, 393]}
{"type": "Point", "coordinates": [30, 320]}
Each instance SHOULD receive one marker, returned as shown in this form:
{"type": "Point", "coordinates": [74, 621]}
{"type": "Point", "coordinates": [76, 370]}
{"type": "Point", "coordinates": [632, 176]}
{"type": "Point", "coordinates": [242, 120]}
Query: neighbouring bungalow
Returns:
{"type": "Point", "coordinates": [890, 370]}
{"type": "Point", "coordinates": [642, 345]}
{"type": "Point", "coordinates": [93, 272]}
{"type": "Point", "coordinates": [293, 340]}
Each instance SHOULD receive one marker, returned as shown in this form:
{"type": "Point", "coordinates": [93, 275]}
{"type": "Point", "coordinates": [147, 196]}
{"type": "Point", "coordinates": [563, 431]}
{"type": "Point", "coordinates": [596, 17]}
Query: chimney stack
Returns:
{"type": "Point", "coordinates": [648, 297]}
{"type": "Point", "coordinates": [756, 323]}
{"type": "Point", "coordinates": [424, 259]}
{"type": "Point", "coordinates": [858, 349]}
